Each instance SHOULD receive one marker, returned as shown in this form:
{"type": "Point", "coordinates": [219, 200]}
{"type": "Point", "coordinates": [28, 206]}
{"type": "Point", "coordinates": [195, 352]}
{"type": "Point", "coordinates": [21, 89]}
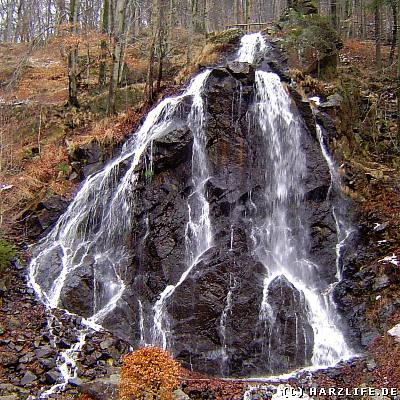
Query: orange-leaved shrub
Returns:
{"type": "Point", "coordinates": [149, 373]}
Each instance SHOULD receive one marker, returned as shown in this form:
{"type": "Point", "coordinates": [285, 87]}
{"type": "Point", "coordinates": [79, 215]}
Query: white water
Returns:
{"type": "Point", "coordinates": [222, 326]}
{"type": "Point", "coordinates": [95, 229]}
{"type": "Point", "coordinates": [343, 230]}
{"type": "Point", "coordinates": [251, 45]}
{"type": "Point", "coordinates": [198, 233]}
{"type": "Point", "coordinates": [279, 248]}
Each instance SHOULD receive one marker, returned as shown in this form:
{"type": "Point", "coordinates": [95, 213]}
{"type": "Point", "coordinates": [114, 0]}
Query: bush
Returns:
{"type": "Point", "coordinates": [149, 373]}
{"type": "Point", "coordinates": [7, 253]}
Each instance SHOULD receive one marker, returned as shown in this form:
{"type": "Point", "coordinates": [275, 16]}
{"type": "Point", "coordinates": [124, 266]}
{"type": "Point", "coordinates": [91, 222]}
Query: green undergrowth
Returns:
{"type": "Point", "coordinates": [7, 253]}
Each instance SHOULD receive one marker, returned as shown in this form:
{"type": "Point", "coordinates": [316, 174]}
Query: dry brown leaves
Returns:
{"type": "Point", "coordinates": [149, 373]}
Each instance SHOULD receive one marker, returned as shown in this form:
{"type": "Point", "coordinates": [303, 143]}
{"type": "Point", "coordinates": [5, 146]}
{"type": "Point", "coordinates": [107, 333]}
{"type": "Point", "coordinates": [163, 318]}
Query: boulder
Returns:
{"type": "Point", "coordinates": [102, 389]}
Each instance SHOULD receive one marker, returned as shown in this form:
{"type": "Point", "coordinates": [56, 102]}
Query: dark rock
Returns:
{"type": "Point", "coordinates": [75, 382]}
{"type": "Point", "coordinates": [292, 336]}
{"type": "Point", "coordinates": [242, 71]}
{"type": "Point", "coordinates": [44, 352]}
{"type": "Point", "coordinates": [367, 336]}
{"type": "Point", "coordinates": [26, 358]}
{"type": "Point", "coordinates": [105, 344]}
{"type": "Point", "coordinates": [102, 389]}
{"type": "Point", "coordinates": [381, 282]}
{"type": "Point", "coordinates": [52, 377]}
{"type": "Point", "coordinates": [28, 378]}
{"type": "Point", "coordinates": [334, 100]}
{"type": "Point", "coordinates": [8, 359]}
{"type": "Point", "coordinates": [47, 363]}
{"type": "Point", "coordinates": [39, 218]}
{"type": "Point", "coordinates": [213, 315]}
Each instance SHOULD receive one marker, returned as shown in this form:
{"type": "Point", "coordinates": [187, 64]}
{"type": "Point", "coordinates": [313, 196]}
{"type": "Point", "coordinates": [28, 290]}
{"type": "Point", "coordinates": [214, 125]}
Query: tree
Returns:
{"type": "Point", "coordinates": [398, 79]}
{"type": "Point", "coordinates": [73, 56]}
{"type": "Point", "coordinates": [334, 16]}
{"type": "Point", "coordinates": [118, 51]}
{"type": "Point", "coordinates": [378, 39]}
{"type": "Point", "coordinates": [104, 30]}
{"type": "Point", "coordinates": [393, 6]}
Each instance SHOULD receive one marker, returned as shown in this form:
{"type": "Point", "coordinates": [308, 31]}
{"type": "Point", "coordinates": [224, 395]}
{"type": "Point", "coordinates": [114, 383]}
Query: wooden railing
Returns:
{"type": "Point", "coordinates": [247, 26]}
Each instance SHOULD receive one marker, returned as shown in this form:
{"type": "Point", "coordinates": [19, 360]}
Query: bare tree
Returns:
{"type": "Point", "coordinates": [118, 50]}
{"type": "Point", "coordinates": [73, 56]}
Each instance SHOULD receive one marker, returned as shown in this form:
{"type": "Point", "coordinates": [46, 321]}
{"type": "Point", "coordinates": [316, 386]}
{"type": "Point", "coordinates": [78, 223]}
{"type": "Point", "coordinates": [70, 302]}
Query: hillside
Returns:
{"type": "Point", "coordinates": [49, 149]}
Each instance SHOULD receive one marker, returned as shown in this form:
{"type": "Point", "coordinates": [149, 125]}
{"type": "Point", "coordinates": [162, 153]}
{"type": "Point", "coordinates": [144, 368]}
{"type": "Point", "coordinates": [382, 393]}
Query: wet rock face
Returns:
{"type": "Point", "coordinates": [290, 334]}
{"type": "Point", "coordinates": [214, 323]}
{"type": "Point", "coordinates": [214, 315]}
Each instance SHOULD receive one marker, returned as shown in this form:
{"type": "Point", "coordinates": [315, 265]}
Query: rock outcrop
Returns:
{"type": "Point", "coordinates": [213, 316]}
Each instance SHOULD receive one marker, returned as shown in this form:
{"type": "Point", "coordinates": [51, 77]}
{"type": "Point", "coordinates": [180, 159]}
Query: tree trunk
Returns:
{"type": "Point", "coordinates": [9, 21]}
{"type": "Point", "coordinates": [398, 81]}
{"type": "Point", "coordinates": [190, 31]}
{"type": "Point", "coordinates": [333, 11]}
{"type": "Point", "coordinates": [119, 44]}
{"type": "Point", "coordinates": [19, 28]}
{"type": "Point", "coordinates": [378, 53]}
{"type": "Point", "coordinates": [393, 5]}
{"type": "Point", "coordinates": [103, 50]}
{"type": "Point", "coordinates": [73, 56]}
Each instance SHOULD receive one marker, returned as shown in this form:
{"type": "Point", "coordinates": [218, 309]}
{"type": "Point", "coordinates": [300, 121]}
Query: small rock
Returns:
{"type": "Point", "coordinates": [105, 344]}
{"type": "Point", "coordinates": [180, 395]}
{"type": "Point", "coordinates": [76, 382]}
{"type": "Point", "coordinates": [8, 388]}
{"type": "Point", "coordinates": [52, 377]}
{"type": "Point", "coordinates": [43, 352]}
{"type": "Point", "coordinates": [395, 333]}
{"type": "Point", "coordinates": [335, 100]}
{"type": "Point", "coordinates": [371, 364]}
{"type": "Point", "coordinates": [47, 363]}
{"type": "Point", "coordinates": [102, 388]}
{"type": "Point", "coordinates": [381, 282]}
{"type": "Point", "coordinates": [29, 377]}
{"type": "Point", "coordinates": [381, 227]}
{"type": "Point", "coordinates": [26, 358]}
{"type": "Point", "coordinates": [367, 337]}
{"type": "Point", "coordinates": [73, 176]}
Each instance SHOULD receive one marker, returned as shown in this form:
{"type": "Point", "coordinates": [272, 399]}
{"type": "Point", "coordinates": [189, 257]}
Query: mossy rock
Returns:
{"type": "Point", "coordinates": [312, 40]}
{"type": "Point", "coordinates": [229, 36]}
{"type": "Point", "coordinates": [305, 7]}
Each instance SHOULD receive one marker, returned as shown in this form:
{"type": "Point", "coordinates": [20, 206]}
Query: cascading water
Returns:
{"type": "Point", "coordinates": [94, 231]}
{"type": "Point", "coordinates": [280, 242]}
{"type": "Point", "coordinates": [251, 46]}
{"type": "Point", "coordinates": [343, 230]}
{"type": "Point", "coordinates": [90, 249]}
{"type": "Point", "coordinates": [198, 234]}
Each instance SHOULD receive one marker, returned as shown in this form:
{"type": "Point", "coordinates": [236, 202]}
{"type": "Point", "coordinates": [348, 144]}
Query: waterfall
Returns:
{"type": "Point", "coordinates": [94, 231]}
{"type": "Point", "coordinates": [198, 235]}
{"type": "Point", "coordinates": [251, 46]}
{"type": "Point", "coordinates": [280, 236]}
{"type": "Point", "coordinates": [92, 241]}
{"type": "Point", "coordinates": [343, 229]}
